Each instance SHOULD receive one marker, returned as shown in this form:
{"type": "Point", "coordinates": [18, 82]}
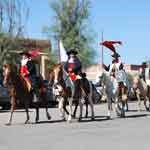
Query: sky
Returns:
{"type": "Point", "coordinates": [124, 20]}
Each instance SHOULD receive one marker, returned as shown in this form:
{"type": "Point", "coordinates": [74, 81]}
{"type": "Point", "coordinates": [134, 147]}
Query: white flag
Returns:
{"type": "Point", "coordinates": [63, 55]}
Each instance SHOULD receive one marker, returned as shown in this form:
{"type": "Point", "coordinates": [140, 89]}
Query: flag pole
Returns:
{"type": "Point", "coordinates": [102, 50]}
{"type": "Point", "coordinates": [58, 40]}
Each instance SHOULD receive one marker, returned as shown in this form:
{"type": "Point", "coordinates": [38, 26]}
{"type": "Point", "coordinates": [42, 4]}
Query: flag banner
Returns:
{"type": "Point", "coordinates": [110, 44]}
{"type": "Point", "coordinates": [63, 55]}
{"type": "Point", "coordinates": [34, 53]}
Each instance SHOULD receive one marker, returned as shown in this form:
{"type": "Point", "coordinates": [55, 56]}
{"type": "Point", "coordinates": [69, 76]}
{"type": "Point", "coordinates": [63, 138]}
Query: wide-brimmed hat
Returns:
{"type": "Point", "coordinates": [26, 53]}
{"type": "Point", "coordinates": [144, 64]}
{"type": "Point", "coordinates": [72, 51]}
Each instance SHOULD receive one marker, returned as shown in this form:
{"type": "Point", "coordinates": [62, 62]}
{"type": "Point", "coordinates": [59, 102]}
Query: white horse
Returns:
{"type": "Point", "coordinates": [114, 92]}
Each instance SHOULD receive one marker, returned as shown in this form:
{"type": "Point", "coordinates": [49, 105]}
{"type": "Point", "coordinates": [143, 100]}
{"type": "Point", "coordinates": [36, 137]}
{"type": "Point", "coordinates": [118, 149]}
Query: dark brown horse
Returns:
{"type": "Point", "coordinates": [19, 91]}
{"type": "Point", "coordinates": [65, 91]}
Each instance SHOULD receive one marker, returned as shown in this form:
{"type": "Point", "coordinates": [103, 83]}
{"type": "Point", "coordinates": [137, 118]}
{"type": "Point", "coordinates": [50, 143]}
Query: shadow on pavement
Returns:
{"type": "Point", "coordinates": [137, 115]}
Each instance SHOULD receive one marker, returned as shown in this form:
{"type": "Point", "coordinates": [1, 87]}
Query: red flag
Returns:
{"type": "Point", "coordinates": [110, 44]}
{"type": "Point", "coordinates": [34, 53]}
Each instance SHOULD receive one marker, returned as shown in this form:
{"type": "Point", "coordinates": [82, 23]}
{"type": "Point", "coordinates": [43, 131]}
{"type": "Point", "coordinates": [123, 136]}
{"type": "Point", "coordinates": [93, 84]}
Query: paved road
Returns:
{"type": "Point", "coordinates": [133, 132]}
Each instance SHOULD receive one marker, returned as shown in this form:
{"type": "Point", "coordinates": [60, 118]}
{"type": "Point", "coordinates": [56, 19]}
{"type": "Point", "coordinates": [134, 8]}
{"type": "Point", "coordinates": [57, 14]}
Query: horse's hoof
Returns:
{"type": "Point", "coordinates": [69, 118]}
{"type": "Point", "coordinates": [73, 116]}
{"type": "Point", "coordinates": [118, 114]}
{"type": "Point", "coordinates": [64, 119]}
{"type": "Point", "coordinates": [92, 118]}
{"type": "Point", "coordinates": [37, 120]}
{"type": "Point", "coordinates": [69, 121]}
{"type": "Point", "coordinates": [86, 116]}
{"type": "Point", "coordinates": [108, 117]}
{"type": "Point", "coordinates": [147, 109]}
{"type": "Point", "coordinates": [26, 122]}
{"type": "Point", "coordinates": [49, 117]}
{"type": "Point", "coordinates": [79, 120]}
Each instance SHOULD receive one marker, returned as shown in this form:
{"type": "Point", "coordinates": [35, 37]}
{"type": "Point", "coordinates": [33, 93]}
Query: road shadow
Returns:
{"type": "Point", "coordinates": [49, 121]}
{"type": "Point", "coordinates": [135, 110]}
{"type": "Point", "coordinates": [84, 120]}
{"type": "Point", "coordinates": [137, 115]}
{"type": "Point", "coordinates": [16, 111]}
{"type": "Point", "coordinates": [97, 119]}
{"type": "Point", "coordinates": [4, 111]}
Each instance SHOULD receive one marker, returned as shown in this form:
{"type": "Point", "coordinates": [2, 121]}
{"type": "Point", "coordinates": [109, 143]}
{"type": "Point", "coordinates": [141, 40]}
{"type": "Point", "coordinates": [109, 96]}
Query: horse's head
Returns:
{"type": "Point", "coordinates": [58, 73]}
{"type": "Point", "coordinates": [6, 74]}
{"type": "Point", "coordinates": [8, 71]}
{"type": "Point", "coordinates": [56, 79]}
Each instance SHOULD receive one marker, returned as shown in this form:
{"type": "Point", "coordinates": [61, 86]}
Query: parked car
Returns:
{"type": "Point", "coordinates": [4, 98]}
{"type": "Point", "coordinates": [51, 98]}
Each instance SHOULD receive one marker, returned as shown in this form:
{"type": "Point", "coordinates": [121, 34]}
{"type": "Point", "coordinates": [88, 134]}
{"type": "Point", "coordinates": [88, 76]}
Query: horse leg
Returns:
{"type": "Point", "coordinates": [81, 108]}
{"type": "Point", "coordinates": [123, 101]}
{"type": "Point", "coordinates": [75, 109]}
{"type": "Point", "coordinates": [86, 105]}
{"type": "Point", "coordinates": [139, 99]}
{"type": "Point", "coordinates": [46, 107]}
{"type": "Point", "coordinates": [148, 95]}
{"type": "Point", "coordinates": [92, 106]}
{"type": "Point", "coordinates": [60, 106]}
{"type": "Point", "coordinates": [27, 112]}
{"type": "Point", "coordinates": [13, 105]}
{"type": "Point", "coordinates": [146, 103]}
{"type": "Point", "coordinates": [70, 109]}
{"type": "Point", "coordinates": [64, 106]}
{"type": "Point", "coordinates": [117, 107]}
{"type": "Point", "coordinates": [47, 113]}
{"type": "Point", "coordinates": [122, 108]}
{"type": "Point", "coordinates": [37, 114]}
{"type": "Point", "coordinates": [109, 102]}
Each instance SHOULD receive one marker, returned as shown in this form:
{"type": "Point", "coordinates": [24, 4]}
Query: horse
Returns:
{"type": "Point", "coordinates": [67, 90]}
{"type": "Point", "coordinates": [114, 91]}
{"type": "Point", "coordinates": [18, 89]}
{"type": "Point", "coordinates": [141, 89]}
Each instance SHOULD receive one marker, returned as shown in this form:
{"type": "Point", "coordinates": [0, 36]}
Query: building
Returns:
{"type": "Point", "coordinates": [93, 70]}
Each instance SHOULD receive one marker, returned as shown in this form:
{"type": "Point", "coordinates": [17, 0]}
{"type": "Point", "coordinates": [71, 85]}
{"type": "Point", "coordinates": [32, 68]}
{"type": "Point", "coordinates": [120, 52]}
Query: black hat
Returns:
{"type": "Point", "coordinates": [115, 55]}
{"type": "Point", "coordinates": [72, 51]}
{"type": "Point", "coordinates": [26, 53]}
{"type": "Point", "coordinates": [144, 64]}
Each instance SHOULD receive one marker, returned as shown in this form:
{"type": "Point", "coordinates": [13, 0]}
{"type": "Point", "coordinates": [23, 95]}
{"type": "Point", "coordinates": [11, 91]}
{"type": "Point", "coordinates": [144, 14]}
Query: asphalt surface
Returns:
{"type": "Point", "coordinates": [132, 132]}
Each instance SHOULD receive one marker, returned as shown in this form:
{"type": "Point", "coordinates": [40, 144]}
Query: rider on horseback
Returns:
{"type": "Point", "coordinates": [145, 73]}
{"type": "Point", "coordinates": [114, 67]}
{"type": "Point", "coordinates": [28, 71]}
{"type": "Point", "coordinates": [73, 67]}
{"type": "Point", "coordinates": [142, 70]}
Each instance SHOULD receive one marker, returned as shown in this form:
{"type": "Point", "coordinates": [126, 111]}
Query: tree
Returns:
{"type": "Point", "coordinates": [71, 26]}
{"type": "Point", "coordinates": [13, 16]}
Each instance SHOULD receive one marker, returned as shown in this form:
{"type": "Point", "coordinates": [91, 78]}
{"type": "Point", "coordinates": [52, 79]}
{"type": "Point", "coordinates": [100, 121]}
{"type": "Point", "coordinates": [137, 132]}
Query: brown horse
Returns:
{"type": "Point", "coordinates": [141, 90]}
{"type": "Point", "coordinates": [59, 80]}
{"type": "Point", "coordinates": [19, 91]}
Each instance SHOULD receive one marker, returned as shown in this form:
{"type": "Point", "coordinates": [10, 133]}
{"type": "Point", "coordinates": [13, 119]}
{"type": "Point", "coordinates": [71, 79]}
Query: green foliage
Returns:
{"type": "Point", "coordinates": [71, 22]}
{"type": "Point", "coordinates": [13, 15]}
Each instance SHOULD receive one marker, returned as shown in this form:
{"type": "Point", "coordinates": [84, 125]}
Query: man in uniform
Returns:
{"type": "Point", "coordinates": [29, 73]}
{"type": "Point", "coordinates": [73, 67]}
{"type": "Point", "coordinates": [114, 67]}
